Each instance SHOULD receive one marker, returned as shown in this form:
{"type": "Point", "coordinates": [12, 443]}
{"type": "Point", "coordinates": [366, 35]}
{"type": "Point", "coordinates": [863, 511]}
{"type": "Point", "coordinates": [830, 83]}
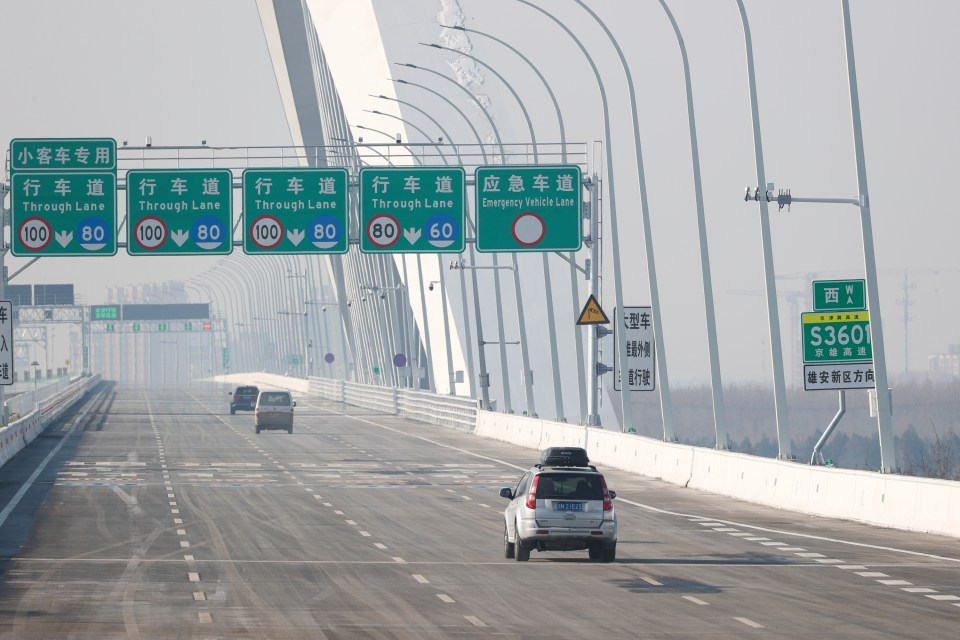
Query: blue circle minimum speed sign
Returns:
{"type": "Point", "coordinates": [325, 232]}
{"type": "Point", "coordinates": [208, 232]}
{"type": "Point", "coordinates": [442, 230]}
{"type": "Point", "coordinates": [400, 360]}
{"type": "Point", "coordinates": [93, 233]}
{"type": "Point", "coordinates": [328, 358]}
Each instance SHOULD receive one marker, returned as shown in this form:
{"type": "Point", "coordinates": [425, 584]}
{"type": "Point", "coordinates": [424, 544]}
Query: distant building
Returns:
{"type": "Point", "coordinates": [945, 365]}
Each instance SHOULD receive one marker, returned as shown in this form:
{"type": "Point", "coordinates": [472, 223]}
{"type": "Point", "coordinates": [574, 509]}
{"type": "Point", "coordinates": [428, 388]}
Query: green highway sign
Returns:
{"type": "Point", "coordinates": [63, 154]}
{"type": "Point", "coordinates": [839, 295]}
{"type": "Point", "coordinates": [412, 209]}
{"type": "Point", "coordinates": [296, 211]}
{"type": "Point", "coordinates": [63, 196]}
{"type": "Point", "coordinates": [528, 208]}
{"type": "Point", "coordinates": [68, 213]}
{"type": "Point", "coordinates": [836, 336]}
{"type": "Point", "coordinates": [180, 212]}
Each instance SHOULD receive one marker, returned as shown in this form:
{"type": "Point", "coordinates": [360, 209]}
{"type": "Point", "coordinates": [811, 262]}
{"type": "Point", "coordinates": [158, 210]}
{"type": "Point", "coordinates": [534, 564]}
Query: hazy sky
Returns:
{"type": "Point", "coordinates": [186, 70]}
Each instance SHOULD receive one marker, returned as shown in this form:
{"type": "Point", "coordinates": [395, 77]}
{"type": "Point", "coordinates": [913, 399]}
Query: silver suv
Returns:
{"type": "Point", "coordinates": [561, 504]}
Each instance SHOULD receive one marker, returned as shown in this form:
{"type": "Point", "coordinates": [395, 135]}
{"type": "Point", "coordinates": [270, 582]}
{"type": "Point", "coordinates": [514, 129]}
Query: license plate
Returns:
{"type": "Point", "coordinates": [568, 506]}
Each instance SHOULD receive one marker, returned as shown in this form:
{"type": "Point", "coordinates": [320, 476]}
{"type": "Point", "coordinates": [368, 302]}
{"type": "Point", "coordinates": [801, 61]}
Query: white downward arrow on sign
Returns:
{"type": "Point", "coordinates": [180, 237]}
{"type": "Point", "coordinates": [295, 236]}
{"type": "Point", "coordinates": [412, 235]}
{"type": "Point", "coordinates": [64, 237]}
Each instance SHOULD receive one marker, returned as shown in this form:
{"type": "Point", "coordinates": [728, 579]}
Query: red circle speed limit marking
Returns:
{"type": "Point", "coordinates": [529, 229]}
{"type": "Point", "coordinates": [35, 234]}
{"type": "Point", "coordinates": [266, 232]}
{"type": "Point", "coordinates": [150, 233]}
{"type": "Point", "coordinates": [383, 231]}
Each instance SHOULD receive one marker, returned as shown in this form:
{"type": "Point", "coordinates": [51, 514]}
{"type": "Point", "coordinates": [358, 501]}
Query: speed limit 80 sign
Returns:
{"type": "Point", "coordinates": [412, 209]}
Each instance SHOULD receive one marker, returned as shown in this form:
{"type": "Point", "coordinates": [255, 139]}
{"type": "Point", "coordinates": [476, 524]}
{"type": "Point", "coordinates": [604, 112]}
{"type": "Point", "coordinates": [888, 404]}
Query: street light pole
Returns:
{"type": "Point", "coordinates": [547, 280]}
{"type": "Point", "coordinates": [621, 346]}
{"type": "Point", "coordinates": [574, 281]}
{"type": "Point", "coordinates": [888, 461]}
{"type": "Point", "coordinates": [524, 343]}
{"type": "Point", "coordinates": [504, 370]}
{"type": "Point", "coordinates": [773, 314]}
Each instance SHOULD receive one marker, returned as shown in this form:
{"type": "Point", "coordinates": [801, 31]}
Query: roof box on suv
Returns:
{"type": "Point", "coordinates": [564, 457]}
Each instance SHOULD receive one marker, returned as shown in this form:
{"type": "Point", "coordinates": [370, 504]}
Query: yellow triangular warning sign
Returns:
{"type": "Point", "coordinates": [592, 313]}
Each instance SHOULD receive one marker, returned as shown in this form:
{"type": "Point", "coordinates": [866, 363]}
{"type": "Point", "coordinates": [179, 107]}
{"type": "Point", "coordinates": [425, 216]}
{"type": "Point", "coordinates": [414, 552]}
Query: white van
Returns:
{"type": "Point", "coordinates": [274, 410]}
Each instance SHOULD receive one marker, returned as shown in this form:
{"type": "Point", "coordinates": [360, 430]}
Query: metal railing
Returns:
{"type": "Point", "coordinates": [448, 411]}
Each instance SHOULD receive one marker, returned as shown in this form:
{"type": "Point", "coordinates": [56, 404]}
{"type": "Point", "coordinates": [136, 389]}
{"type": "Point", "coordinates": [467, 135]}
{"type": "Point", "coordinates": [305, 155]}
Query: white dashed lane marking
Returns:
{"type": "Point", "coordinates": [445, 598]}
{"type": "Point", "coordinates": [695, 600]}
{"type": "Point", "coordinates": [420, 579]}
{"type": "Point", "coordinates": [749, 622]}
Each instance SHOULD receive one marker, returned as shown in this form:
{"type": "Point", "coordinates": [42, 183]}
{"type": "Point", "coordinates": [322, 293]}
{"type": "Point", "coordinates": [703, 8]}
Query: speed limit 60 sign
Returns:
{"type": "Point", "coordinates": [179, 211]}
{"type": "Point", "coordinates": [412, 209]}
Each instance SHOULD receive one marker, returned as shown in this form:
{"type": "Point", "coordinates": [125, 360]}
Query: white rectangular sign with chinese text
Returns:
{"type": "Point", "coordinates": [641, 371]}
{"type": "Point", "coordinates": [6, 342]}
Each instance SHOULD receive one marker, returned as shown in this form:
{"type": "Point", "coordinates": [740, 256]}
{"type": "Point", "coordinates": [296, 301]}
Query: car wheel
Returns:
{"type": "Point", "coordinates": [258, 429]}
{"type": "Point", "coordinates": [290, 429]}
{"type": "Point", "coordinates": [521, 552]}
{"type": "Point", "coordinates": [233, 411]}
{"type": "Point", "coordinates": [507, 545]}
{"type": "Point", "coordinates": [609, 554]}
{"type": "Point", "coordinates": [595, 551]}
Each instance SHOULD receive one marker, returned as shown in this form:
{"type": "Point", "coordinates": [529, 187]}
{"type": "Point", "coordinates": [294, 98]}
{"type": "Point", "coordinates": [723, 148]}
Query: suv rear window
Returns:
{"type": "Point", "coordinates": [569, 486]}
{"type": "Point", "coordinates": [246, 391]}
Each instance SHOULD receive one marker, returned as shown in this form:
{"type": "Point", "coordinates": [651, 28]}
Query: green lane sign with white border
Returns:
{"type": "Point", "coordinates": [296, 211]}
{"type": "Point", "coordinates": [63, 197]}
{"type": "Point", "coordinates": [184, 212]}
{"type": "Point", "coordinates": [63, 154]}
{"type": "Point", "coordinates": [412, 209]}
{"type": "Point", "coordinates": [63, 214]}
{"type": "Point", "coordinates": [533, 208]}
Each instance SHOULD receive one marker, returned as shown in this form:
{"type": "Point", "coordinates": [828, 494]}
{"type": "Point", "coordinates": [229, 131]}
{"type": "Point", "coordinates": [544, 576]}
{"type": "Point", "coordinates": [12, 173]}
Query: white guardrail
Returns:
{"type": "Point", "coordinates": [21, 432]}
{"type": "Point", "coordinates": [888, 500]}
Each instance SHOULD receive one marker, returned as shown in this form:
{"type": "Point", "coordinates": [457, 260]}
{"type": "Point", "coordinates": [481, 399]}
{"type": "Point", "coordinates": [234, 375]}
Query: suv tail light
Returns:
{"type": "Point", "coordinates": [607, 500]}
{"type": "Point", "coordinates": [532, 496]}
